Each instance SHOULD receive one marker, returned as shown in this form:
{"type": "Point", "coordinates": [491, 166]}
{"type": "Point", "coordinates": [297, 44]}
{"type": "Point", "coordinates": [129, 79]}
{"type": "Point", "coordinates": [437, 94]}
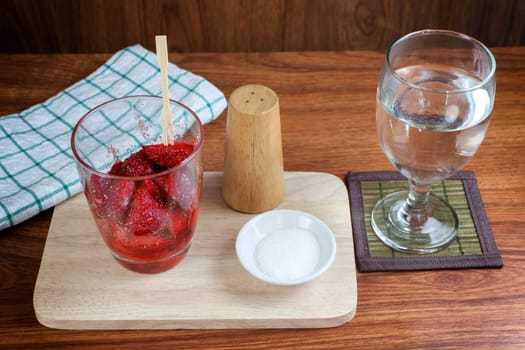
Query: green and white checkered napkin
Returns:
{"type": "Point", "coordinates": [37, 170]}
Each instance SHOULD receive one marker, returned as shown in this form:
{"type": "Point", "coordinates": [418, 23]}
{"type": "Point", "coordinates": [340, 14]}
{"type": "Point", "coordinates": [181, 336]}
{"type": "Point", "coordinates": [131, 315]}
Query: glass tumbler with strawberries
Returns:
{"type": "Point", "coordinates": [143, 194]}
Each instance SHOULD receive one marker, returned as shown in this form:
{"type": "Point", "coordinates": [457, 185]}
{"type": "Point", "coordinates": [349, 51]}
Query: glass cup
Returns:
{"type": "Point", "coordinates": [434, 98]}
{"type": "Point", "coordinates": [147, 221]}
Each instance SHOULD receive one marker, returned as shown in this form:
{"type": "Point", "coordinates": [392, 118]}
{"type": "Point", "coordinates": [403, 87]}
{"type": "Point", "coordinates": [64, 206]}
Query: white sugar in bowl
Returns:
{"type": "Point", "coordinates": [285, 247]}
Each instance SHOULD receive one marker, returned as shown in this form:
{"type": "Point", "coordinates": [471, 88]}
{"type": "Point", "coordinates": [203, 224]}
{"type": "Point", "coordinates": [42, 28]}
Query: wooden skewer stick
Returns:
{"type": "Point", "coordinates": [162, 56]}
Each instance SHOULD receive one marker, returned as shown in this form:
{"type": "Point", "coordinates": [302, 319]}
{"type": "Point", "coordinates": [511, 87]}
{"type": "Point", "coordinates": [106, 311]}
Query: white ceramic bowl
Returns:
{"type": "Point", "coordinates": [285, 247]}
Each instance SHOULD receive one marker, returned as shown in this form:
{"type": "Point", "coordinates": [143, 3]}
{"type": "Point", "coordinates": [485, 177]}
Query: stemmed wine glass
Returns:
{"type": "Point", "coordinates": [434, 99]}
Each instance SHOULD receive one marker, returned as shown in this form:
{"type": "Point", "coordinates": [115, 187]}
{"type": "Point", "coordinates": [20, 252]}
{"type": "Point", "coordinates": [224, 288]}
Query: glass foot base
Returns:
{"type": "Point", "coordinates": [439, 230]}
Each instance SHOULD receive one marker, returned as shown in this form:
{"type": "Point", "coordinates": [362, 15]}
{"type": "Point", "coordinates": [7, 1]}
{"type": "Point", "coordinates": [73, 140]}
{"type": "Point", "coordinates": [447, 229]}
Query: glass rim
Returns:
{"type": "Point", "coordinates": [449, 33]}
{"type": "Point", "coordinates": [76, 156]}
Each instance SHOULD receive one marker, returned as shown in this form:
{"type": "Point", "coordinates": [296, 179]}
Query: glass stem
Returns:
{"type": "Point", "coordinates": [415, 211]}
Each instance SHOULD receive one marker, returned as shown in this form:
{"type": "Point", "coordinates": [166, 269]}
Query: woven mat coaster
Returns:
{"type": "Point", "coordinates": [474, 246]}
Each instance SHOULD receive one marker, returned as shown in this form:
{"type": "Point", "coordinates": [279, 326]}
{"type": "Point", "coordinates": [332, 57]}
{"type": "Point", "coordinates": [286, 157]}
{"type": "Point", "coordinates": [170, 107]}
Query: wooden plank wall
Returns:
{"type": "Point", "coordinates": [72, 26]}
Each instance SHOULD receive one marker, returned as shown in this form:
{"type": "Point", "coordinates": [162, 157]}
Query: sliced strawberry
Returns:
{"type": "Point", "coordinates": [164, 184]}
{"type": "Point", "coordinates": [180, 187]}
{"type": "Point", "coordinates": [116, 169]}
{"type": "Point", "coordinates": [147, 214]}
{"type": "Point", "coordinates": [181, 226]}
{"type": "Point", "coordinates": [152, 187]}
{"type": "Point", "coordinates": [168, 156]}
{"type": "Point", "coordinates": [110, 197]}
{"type": "Point", "coordinates": [118, 199]}
{"type": "Point", "coordinates": [178, 222]}
{"type": "Point", "coordinates": [138, 164]}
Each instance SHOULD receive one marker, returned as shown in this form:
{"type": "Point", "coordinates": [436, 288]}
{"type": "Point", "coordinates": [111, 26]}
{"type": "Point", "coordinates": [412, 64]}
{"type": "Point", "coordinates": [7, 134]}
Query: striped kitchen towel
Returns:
{"type": "Point", "coordinates": [37, 170]}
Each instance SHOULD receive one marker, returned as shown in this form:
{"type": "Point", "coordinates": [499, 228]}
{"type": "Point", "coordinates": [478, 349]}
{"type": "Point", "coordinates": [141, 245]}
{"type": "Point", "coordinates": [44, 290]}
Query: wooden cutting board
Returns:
{"type": "Point", "coordinates": [80, 286]}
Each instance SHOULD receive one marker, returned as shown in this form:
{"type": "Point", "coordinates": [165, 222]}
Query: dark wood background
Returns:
{"type": "Point", "coordinates": [77, 26]}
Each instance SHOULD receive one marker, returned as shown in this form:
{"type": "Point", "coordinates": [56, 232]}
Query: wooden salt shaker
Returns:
{"type": "Point", "coordinates": [253, 160]}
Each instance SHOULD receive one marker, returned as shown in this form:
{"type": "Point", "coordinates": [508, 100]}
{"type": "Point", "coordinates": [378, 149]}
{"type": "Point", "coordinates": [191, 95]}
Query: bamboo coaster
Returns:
{"type": "Point", "coordinates": [474, 246]}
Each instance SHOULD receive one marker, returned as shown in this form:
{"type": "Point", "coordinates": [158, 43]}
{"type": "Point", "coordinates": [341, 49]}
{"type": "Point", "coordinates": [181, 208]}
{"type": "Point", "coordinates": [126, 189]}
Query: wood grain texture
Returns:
{"type": "Point", "coordinates": [253, 156]}
{"type": "Point", "coordinates": [74, 26]}
{"type": "Point", "coordinates": [209, 288]}
{"type": "Point", "coordinates": [327, 102]}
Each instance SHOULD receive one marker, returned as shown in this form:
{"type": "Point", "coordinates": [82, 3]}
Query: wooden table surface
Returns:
{"type": "Point", "coordinates": [328, 124]}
